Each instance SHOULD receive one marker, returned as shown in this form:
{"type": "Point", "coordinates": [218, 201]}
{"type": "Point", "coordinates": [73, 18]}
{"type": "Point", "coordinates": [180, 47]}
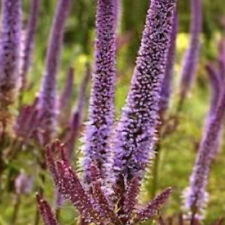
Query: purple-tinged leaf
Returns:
{"type": "Point", "coordinates": [101, 108]}
{"type": "Point", "coordinates": [130, 198]}
{"type": "Point", "coordinates": [100, 198]}
{"type": "Point", "coordinates": [153, 207]}
{"type": "Point", "coordinates": [47, 92]}
{"type": "Point", "coordinates": [46, 212]}
{"type": "Point", "coordinates": [71, 188]}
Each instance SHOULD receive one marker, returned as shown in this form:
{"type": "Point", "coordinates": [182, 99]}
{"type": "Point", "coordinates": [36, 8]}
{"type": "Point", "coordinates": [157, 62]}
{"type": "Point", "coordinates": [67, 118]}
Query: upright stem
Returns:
{"type": "Point", "coordinates": [16, 209]}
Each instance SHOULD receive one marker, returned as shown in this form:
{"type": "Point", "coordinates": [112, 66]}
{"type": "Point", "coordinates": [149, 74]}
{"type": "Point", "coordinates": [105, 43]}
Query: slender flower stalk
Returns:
{"type": "Point", "coordinates": [10, 50]}
{"type": "Point", "coordinates": [76, 118]}
{"type": "Point", "coordinates": [135, 135]}
{"type": "Point", "coordinates": [67, 90]}
{"type": "Point", "coordinates": [215, 83]}
{"type": "Point", "coordinates": [195, 196]}
{"type": "Point", "coordinates": [47, 98]}
{"type": "Point", "coordinates": [221, 56]}
{"type": "Point", "coordinates": [29, 41]}
{"type": "Point", "coordinates": [102, 93]}
{"type": "Point", "coordinates": [65, 98]}
{"type": "Point", "coordinates": [190, 60]}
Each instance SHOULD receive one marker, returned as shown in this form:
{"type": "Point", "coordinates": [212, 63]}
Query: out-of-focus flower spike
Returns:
{"type": "Point", "coordinates": [71, 188]}
{"type": "Point", "coordinates": [190, 59]}
{"type": "Point", "coordinates": [23, 183]}
{"type": "Point", "coordinates": [27, 121]}
{"type": "Point", "coordinates": [135, 134]}
{"type": "Point", "coordinates": [221, 57]}
{"type": "Point", "coordinates": [65, 98]}
{"type": "Point", "coordinates": [47, 98]}
{"type": "Point", "coordinates": [45, 211]}
{"type": "Point", "coordinates": [153, 207]}
{"type": "Point", "coordinates": [29, 40]}
{"type": "Point", "coordinates": [10, 49]}
{"type": "Point", "coordinates": [166, 83]}
{"type": "Point", "coordinates": [195, 195]}
{"type": "Point", "coordinates": [215, 83]}
{"type": "Point", "coordinates": [100, 199]}
{"type": "Point", "coordinates": [101, 108]}
{"type": "Point", "coordinates": [76, 118]}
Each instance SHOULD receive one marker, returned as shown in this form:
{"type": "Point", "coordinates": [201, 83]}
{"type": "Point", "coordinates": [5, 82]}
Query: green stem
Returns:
{"type": "Point", "coordinates": [155, 170]}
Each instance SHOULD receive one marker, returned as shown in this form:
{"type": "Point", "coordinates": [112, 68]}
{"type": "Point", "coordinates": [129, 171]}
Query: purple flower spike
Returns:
{"type": "Point", "coordinates": [46, 212]}
{"type": "Point", "coordinates": [191, 56]}
{"type": "Point", "coordinates": [166, 84]}
{"type": "Point", "coordinates": [221, 57]}
{"type": "Point", "coordinates": [30, 32]}
{"type": "Point", "coordinates": [65, 98]}
{"type": "Point", "coordinates": [215, 83]}
{"type": "Point", "coordinates": [76, 118]}
{"type": "Point", "coordinates": [195, 196]}
{"type": "Point", "coordinates": [102, 93]}
{"type": "Point", "coordinates": [135, 135]}
{"type": "Point", "coordinates": [10, 50]}
{"type": "Point", "coordinates": [47, 92]}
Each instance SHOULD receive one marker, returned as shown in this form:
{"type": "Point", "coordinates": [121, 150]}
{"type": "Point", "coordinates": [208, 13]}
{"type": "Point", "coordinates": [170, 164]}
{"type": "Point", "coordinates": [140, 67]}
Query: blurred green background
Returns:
{"type": "Point", "coordinates": [179, 149]}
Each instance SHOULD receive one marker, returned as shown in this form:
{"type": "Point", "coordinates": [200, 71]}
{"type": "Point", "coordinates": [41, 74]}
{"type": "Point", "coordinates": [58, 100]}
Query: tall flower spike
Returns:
{"type": "Point", "coordinates": [65, 98]}
{"type": "Point", "coordinates": [47, 98]}
{"type": "Point", "coordinates": [46, 212]}
{"type": "Point", "coordinates": [10, 49]}
{"type": "Point", "coordinates": [76, 118]}
{"type": "Point", "coordinates": [195, 196]}
{"type": "Point", "coordinates": [102, 93]}
{"type": "Point", "coordinates": [191, 56]}
{"type": "Point", "coordinates": [135, 135]}
{"type": "Point", "coordinates": [166, 84]}
{"type": "Point", "coordinates": [221, 56]}
{"type": "Point", "coordinates": [29, 41]}
{"type": "Point", "coordinates": [215, 83]}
